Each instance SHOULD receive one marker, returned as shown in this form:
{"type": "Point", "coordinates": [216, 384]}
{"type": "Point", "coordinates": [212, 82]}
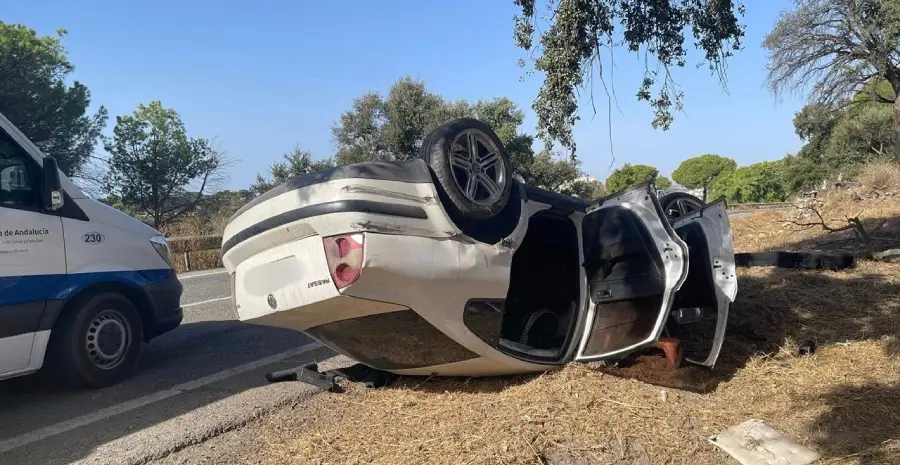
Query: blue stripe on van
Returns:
{"type": "Point", "coordinates": [22, 289]}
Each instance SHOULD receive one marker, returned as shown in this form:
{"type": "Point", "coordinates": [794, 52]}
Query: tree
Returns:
{"type": "Point", "coordinates": [561, 175]}
{"type": "Point", "coordinates": [759, 182]}
{"type": "Point", "coordinates": [862, 135]}
{"type": "Point", "coordinates": [629, 175]}
{"type": "Point", "coordinates": [841, 140]}
{"type": "Point", "coordinates": [155, 169]}
{"type": "Point", "coordinates": [835, 48]}
{"type": "Point", "coordinates": [392, 128]}
{"type": "Point", "coordinates": [579, 30]}
{"type": "Point", "coordinates": [813, 124]}
{"type": "Point", "coordinates": [36, 96]}
{"type": "Point", "coordinates": [699, 172]}
{"type": "Point", "coordinates": [663, 182]}
{"type": "Point", "coordinates": [802, 174]}
{"type": "Point", "coordinates": [296, 163]}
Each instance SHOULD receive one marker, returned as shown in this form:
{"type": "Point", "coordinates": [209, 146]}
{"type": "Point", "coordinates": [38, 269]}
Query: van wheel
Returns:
{"type": "Point", "coordinates": [97, 343]}
{"type": "Point", "coordinates": [471, 166]}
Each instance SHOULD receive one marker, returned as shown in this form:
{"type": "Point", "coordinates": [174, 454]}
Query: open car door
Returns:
{"type": "Point", "coordinates": [634, 263]}
{"type": "Point", "coordinates": [700, 311]}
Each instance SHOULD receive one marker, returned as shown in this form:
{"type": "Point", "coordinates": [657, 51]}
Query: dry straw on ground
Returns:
{"type": "Point", "coordinates": [844, 400]}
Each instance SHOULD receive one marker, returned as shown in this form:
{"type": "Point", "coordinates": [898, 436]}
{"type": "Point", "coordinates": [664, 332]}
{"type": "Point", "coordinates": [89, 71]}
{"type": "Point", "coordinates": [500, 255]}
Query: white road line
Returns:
{"type": "Point", "coordinates": [202, 274]}
{"type": "Point", "coordinates": [194, 304]}
{"type": "Point", "coordinates": [102, 414]}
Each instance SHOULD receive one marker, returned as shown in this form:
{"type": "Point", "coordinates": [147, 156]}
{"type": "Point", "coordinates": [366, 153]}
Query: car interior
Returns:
{"type": "Point", "coordinates": [543, 294]}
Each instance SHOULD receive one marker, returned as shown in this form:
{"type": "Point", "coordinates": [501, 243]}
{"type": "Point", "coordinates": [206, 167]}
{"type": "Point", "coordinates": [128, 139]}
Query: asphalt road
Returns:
{"type": "Point", "coordinates": [205, 377]}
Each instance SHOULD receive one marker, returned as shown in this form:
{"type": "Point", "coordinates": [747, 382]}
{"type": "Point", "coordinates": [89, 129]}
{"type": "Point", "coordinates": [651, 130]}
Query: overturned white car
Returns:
{"type": "Point", "coordinates": [450, 265]}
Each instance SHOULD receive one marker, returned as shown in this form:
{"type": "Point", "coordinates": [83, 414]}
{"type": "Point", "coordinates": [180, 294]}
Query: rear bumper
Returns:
{"type": "Point", "coordinates": [165, 301]}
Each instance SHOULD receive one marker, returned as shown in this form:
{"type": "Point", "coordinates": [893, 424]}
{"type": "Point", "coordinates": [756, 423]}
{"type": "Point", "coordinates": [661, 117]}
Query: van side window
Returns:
{"type": "Point", "coordinates": [17, 186]}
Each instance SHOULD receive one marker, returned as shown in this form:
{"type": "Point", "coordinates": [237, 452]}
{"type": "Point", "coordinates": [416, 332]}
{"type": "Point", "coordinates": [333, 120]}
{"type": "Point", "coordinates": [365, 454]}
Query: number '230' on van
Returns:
{"type": "Point", "coordinates": [82, 285]}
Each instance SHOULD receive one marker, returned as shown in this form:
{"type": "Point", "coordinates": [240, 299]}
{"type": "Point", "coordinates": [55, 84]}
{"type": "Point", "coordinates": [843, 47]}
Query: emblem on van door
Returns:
{"type": "Point", "coordinates": [318, 283]}
{"type": "Point", "coordinates": [93, 237]}
{"type": "Point", "coordinates": [272, 302]}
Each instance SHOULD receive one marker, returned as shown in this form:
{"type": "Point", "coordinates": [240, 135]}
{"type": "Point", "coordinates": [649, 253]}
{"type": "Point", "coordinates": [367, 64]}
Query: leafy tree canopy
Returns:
{"type": "Point", "coordinates": [37, 96]}
{"type": "Point", "coordinates": [663, 182]}
{"type": "Point", "coordinates": [802, 174]}
{"type": "Point", "coordinates": [155, 169]}
{"type": "Point", "coordinates": [840, 140]}
{"type": "Point", "coordinates": [629, 175]}
{"type": "Point", "coordinates": [393, 127]}
{"type": "Point", "coordinates": [759, 182]}
{"type": "Point", "coordinates": [569, 48]}
{"type": "Point", "coordinates": [296, 163]}
{"type": "Point", "coordinates": [699, 172]}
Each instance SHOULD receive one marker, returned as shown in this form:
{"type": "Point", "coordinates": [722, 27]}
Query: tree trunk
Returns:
{"type": "Point", "coordinates": [897, 128]}
{"type": "Point", "coordinates": [704, 193]}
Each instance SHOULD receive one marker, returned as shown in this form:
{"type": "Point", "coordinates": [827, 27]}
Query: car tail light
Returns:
{"type": "Point", "coordinates": [345, 258]}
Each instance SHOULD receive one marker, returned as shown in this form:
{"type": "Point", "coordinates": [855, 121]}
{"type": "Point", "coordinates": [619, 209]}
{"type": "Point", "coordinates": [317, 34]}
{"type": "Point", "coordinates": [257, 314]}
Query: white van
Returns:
{"type": "Point", "coordinates": [82, 285]}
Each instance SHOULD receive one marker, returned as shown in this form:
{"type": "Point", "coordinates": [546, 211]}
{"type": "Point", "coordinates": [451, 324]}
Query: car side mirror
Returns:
{"type": "Point", "coordinates": [51, 192]}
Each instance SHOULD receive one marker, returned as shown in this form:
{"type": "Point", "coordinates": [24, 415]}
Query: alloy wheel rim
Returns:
{"type": "Point", "coordinates": [479, 170]}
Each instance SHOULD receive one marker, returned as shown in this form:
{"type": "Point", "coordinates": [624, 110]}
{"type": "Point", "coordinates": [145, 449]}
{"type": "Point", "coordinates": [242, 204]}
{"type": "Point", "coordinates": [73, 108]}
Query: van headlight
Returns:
{"type": "Point", "coordinates": [162, 248]}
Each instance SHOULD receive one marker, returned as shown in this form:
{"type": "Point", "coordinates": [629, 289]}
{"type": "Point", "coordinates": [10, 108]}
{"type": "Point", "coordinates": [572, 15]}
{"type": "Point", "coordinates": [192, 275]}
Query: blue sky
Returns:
{"type": "Point", "coordinates": [264, 76]}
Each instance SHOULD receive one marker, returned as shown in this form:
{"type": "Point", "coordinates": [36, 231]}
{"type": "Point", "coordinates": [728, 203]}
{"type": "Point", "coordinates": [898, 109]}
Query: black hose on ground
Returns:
{"type": "Point", "coordinates": [796, 260]}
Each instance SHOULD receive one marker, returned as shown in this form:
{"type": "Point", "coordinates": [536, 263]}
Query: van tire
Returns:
{"type": "Point", "coordinates": [441, 147]}
{"type": "Point", "coordinates": [77, 352]}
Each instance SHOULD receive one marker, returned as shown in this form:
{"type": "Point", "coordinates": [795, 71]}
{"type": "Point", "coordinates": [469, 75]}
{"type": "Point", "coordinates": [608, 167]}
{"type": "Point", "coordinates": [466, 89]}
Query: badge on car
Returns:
{"type": "Point", "coordinates": [318, 283]}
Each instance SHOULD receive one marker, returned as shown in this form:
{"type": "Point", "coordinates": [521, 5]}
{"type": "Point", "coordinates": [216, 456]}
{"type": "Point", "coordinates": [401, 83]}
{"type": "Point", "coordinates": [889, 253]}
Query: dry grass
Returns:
{"type": "Point", "coordinates": [194, 226]}
{"type": "Point", "coordinates": [844, 400]}
{"type": "Point", "coordinates": [765, 231]}
{"type": "Point", "coordinates": [883, 176]}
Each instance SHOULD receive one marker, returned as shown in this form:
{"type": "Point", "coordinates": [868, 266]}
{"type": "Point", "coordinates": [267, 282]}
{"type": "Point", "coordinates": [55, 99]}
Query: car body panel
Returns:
{"type": "Point", "coordinates": [337, 205]}
{"type": "Point", "coordinates": [406, 312]}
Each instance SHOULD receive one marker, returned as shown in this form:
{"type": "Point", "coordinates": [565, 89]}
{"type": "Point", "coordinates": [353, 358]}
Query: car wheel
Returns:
{"type": "Point", "coordinates": [98, 342]}
{"type": "Point", "coordinates": [471, 167]}
{"type": "Point", "coordinates": [678, 204]}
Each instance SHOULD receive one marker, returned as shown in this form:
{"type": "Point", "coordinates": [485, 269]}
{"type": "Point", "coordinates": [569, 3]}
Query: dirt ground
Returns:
{"type": "Point", "coordinates": [843, 400]}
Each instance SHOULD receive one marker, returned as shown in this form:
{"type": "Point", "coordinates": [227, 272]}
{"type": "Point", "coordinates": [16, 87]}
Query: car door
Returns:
{"type": "Point", "coordinates": [634, 263]}
{"type": "Point", "coordinates": [32, 255]}
{"type": "Point", "coordinates": [701, 307]}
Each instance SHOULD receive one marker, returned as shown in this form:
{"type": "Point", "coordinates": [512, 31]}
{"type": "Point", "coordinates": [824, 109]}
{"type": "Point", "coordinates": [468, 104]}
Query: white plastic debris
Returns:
{"type": "Point", "coordinates": [663, 396]}
{"type": "Point", "coordinates": [755, 443]}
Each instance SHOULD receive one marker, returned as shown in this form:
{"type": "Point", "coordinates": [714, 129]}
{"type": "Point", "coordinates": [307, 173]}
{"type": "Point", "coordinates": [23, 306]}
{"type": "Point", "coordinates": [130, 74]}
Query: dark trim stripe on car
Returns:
{"type": "Point", "coordinates": [339, 206]}
{"type": "Point", "coordinates": [412, 171]}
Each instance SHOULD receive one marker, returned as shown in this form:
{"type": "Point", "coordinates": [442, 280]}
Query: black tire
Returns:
{"type": "Point", "coordinates": [678, 204]}
{"type": "Point", "coordinates": [440, 149]}
{"type": "Point", "coordinates": [70, 342]}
